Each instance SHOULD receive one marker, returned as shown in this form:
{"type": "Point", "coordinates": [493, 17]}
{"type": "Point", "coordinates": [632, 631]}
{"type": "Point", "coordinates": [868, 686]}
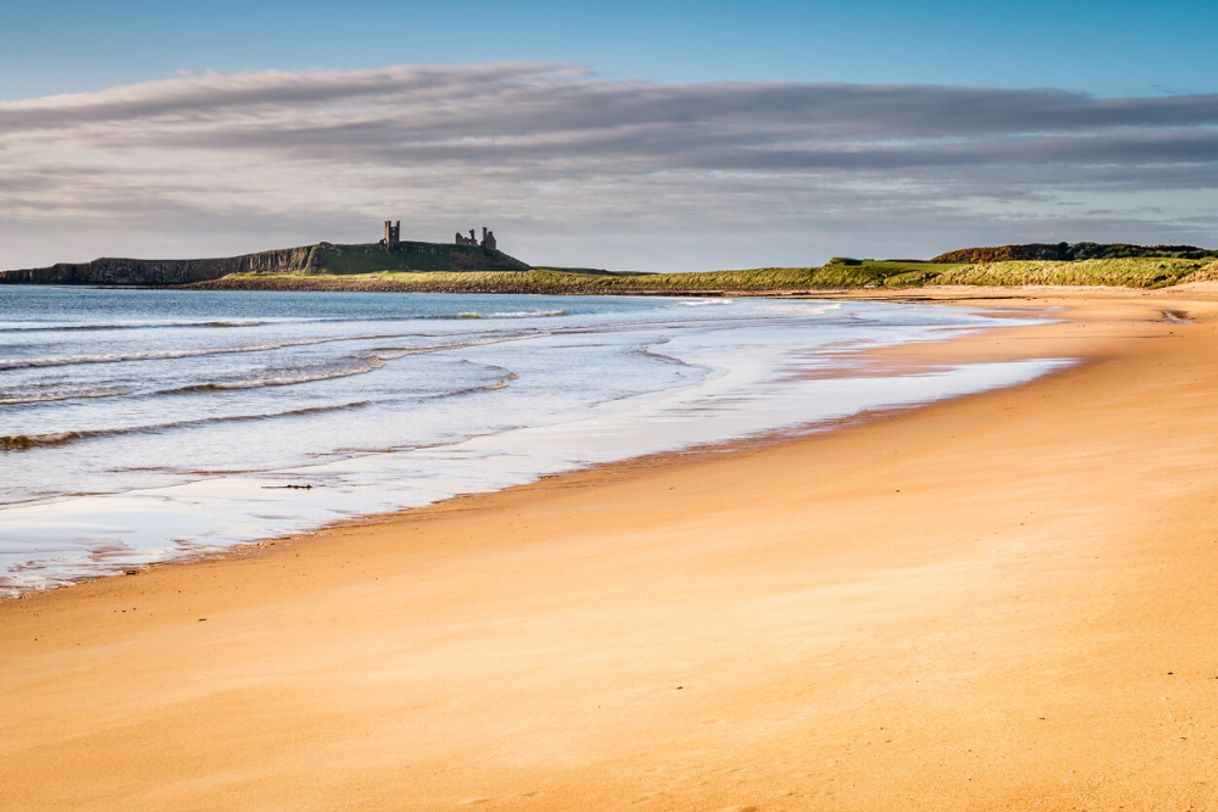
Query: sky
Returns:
{"type": "Point", "coordinates": [645, 136]}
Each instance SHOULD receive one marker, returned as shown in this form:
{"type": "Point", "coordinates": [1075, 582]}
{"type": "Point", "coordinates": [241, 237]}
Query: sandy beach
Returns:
{"type": "Point", "coordinates": [1001, 601]}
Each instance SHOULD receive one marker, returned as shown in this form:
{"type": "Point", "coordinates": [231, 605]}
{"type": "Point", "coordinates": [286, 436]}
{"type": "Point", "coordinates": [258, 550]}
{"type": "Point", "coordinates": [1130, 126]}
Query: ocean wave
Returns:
{"type": "Point", "coordinates": [24, 442]}
{"type": "Point", "coordinates": [69, 327]}
{"type": "Point", "coordinates": [164, 355]}
{"type": "Point", "coordinates": [827, 308]}
{"type": "Point", "coordinates": [392, 353]}
{"type": "Point", "coordinates": [502, 383]}
{"type": "Point", "coordinates": [508, 314]}
{"type": "Point", "coordinates": [705, 302]}
{"type": "Point", "coordinates": [27, 442]}
{"type": "Point", "coordinates": [365, 364]}
{"type": "Point", "coordinates": [151, 355]}
{"type": "Point", "coordinates": [15, 399]}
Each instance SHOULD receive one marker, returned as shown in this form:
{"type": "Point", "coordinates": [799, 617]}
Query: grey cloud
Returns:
{"type": "Point", "coordinates": [551, 150]}
{"type": "Point", "coordinates": [492, 115]}
{"type": "Point", "coordinates": [525, 97]}
{"type": "Point", "coordinates": [207, 95]}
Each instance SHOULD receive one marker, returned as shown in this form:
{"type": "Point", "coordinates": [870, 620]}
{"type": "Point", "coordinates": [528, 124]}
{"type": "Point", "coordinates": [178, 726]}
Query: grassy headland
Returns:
{"type": "Point", "coordinates": [412, 256]}
{"type": "Point", "coordinates": [1070, 251]}
{"type": "Point", "coordinates": [320, 258]}
{"type": "Point", "coordinates": [444, 267]}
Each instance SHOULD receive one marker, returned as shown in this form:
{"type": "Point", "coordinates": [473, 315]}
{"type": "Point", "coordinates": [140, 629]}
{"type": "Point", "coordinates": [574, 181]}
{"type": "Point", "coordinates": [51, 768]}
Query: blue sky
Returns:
{"type": "Point", "coordinates": [673, 136]}
{"type": "Point", "coordinates": [1115, 48]}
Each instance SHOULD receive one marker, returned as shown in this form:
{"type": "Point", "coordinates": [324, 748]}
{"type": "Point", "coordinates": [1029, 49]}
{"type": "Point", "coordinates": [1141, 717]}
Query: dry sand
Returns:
{"type": "Point", "coordinates": [1003, 601]}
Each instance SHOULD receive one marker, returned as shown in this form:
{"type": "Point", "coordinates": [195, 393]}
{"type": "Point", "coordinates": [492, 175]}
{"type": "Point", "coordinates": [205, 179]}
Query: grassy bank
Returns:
{"type": "Point", "coordinates": [544, 280]}
{"type": "Point", "coordinates": [1131, 272]}
{"type": "Point", "coordinates": [1140, 272]}
{"type": "Point", "coordinates": [411, 256]}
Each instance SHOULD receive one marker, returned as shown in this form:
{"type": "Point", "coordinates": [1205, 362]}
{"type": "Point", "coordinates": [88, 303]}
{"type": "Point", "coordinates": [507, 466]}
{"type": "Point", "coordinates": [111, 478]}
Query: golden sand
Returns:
{"type": "Point", "coordinates": [1004, 601]}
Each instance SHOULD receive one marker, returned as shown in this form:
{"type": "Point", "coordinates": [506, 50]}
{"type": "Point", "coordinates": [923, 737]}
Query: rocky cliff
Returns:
{"type": "Point", "coordinates": [306, 259]}
{"type": "Point", "coordinates": [121, 271]}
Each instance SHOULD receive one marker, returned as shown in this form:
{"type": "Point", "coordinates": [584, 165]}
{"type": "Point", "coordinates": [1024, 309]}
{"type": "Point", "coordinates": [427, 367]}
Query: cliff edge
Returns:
{"type": "Point", "coordinates": [322, 258]}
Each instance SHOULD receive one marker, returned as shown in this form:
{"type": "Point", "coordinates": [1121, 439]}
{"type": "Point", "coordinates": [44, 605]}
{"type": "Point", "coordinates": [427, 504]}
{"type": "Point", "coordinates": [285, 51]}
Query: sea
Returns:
{"type": "Point", "coordinates": [140, 426]}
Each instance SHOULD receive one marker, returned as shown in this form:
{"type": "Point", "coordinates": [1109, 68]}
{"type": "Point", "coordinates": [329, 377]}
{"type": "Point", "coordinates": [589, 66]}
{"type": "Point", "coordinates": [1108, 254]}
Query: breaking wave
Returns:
{"type": "Point", "coordinates": [508, 314]}
{"type": "Point", "coordinates": [157, 355]}
{"type": "Point", "coordinates": [26, 442]}
{"type": "Point", "coordinates": [17, 399]}
{"type": "Point", "coordinates": [364, 365]}
{"type": "Point", "coordinates": [163, 355]}
{"type": "Point", "coordinates": [18, 327]}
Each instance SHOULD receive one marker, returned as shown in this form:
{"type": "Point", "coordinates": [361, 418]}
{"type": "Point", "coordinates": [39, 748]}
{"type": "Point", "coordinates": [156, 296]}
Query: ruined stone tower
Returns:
{"type": "Point", "coordinates": [488, 239]}
{"type": "Point", "coordinates": [393, 234]}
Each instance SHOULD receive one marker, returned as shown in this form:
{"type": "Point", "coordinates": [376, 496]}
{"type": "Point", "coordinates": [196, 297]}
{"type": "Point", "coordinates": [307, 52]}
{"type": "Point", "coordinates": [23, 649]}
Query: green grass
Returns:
{"type": "Point", "coordinates": [410, 256]}
{"type": "Point", "coordinates": [546, 280]}
{"type": "Point", "coordinates": [1138, 272]}
{"type": "Point", "coordinates": [1131, 272]}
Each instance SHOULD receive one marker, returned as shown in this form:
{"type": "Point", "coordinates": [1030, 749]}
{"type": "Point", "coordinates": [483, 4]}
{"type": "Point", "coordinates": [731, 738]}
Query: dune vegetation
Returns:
{"type": "Point", "coordinates": [1130, 272]}
{"type": "Point", "coordinates": [1133, 272]}
{"type": "Point", "coordinates": [444, 267]}
{"type": "Point", "coordinates": [554, 280]}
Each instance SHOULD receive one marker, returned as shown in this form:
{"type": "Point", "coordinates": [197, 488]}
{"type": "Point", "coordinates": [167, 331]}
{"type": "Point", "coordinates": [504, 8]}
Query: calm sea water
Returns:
{"type": "Point", "coordinates": [139, 426]}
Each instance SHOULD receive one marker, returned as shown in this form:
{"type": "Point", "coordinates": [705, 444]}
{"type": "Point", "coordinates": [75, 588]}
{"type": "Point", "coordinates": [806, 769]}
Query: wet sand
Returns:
{"type": "Point", "coordinates": [1002, 601]}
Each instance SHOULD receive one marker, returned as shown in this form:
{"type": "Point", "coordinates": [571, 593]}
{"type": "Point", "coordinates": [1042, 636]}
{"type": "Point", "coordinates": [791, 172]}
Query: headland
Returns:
{"type": "Point", "coordinates": [473, 265]}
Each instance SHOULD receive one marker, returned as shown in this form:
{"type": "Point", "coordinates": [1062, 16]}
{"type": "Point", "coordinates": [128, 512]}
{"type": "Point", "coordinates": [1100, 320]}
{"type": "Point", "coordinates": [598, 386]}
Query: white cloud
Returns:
{"type": "Point", "coordinates": [572, 169]}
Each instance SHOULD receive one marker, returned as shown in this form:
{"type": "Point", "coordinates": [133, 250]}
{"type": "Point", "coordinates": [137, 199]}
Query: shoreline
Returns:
{"type": "Point", "coordinates": [791, 409]}
{"type": "Point", "coordinates": [473, 659]}
{"type": "Point", "coordinates": [854, 360]}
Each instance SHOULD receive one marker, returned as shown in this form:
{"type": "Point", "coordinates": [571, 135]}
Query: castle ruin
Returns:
{"type": "Point", "coordinates": [393, 237]}
{"type": "Point", "coordinates": [488, 239]}
{"type": "Point", "coordinates": [393, 234]}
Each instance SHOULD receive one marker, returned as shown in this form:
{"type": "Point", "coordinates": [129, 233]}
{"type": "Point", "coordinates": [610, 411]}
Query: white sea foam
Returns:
{"type": "Point", "coordinates": [706, 302]}
{"type": "Point", "coordinates": [509, 314]}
